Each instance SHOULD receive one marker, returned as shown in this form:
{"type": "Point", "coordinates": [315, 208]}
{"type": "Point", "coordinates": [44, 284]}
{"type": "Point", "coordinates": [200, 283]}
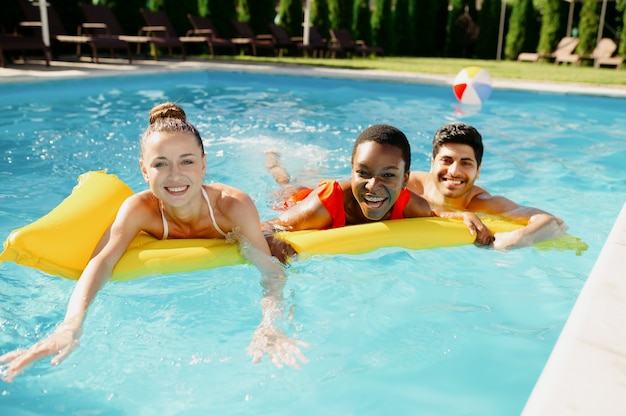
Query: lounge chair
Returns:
{"type": "Point", "coordinates": [58, 34]}
{"type": "Point", "coordinates": [283, 42]}
{"type": "Point", "coordinates": [100, 19]}
{"type": "Point", "coordinates": [17, 42]}
{"type": "Point", "coordinates": [160, 27]}
{"type": "Point", "coordinates": [20, 41]}
{"type": "Point", "coordinates": [610, 60]}
{"type": "Point", "coordinates": [203, 26]}
{"type": "Point", "coordinates": [342, 42]}
{"type": "Point", "coordinates": [602, 54]}
{"type": "Point", "coordinates": [565, 47]}
{"type": "Point", "coordinates": [248, 39]}
{"type": "Point", "coordinates": [317, 43]}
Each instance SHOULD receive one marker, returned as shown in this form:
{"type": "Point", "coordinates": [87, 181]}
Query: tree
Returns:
{"type": "Point", "coordinates": [361, 21]}
{"type": "Point", "coordinates": [290, 16]}
{"type": "Point", "coordinates": [320, 16]}
{"type": "Point", "coordinates": [621, 6]}
{"type": "Point", "coordinates": [404, 33]}
{"type": "Point", "coordinates": [177, 13]}
{"type": "Point", "coordinates": [262, 13]}
{"type": "Point", "coordinates": [489, 23]}
{"type": "Point", "coordinates": [382, 33]}
{"type": "Point", "coordinates": [549, 34]}
{"type": "Point", "coordinates": [425, 15]}
{"type": "Point", "coordinates": [243, 11]}
{"type": "Point", "coordinates": [522, 16]}
{"type": "Point", "coordinates": [462, 29]}
{"type": "Point", "coordinates": [340, 14]}
{"type": "Point", "coordinates": [588, 27]}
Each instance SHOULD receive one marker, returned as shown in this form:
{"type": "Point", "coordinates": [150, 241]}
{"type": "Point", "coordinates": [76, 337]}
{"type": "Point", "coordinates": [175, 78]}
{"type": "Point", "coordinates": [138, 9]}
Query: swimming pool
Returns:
{"type": "Point", "coordinates": [447, 331]}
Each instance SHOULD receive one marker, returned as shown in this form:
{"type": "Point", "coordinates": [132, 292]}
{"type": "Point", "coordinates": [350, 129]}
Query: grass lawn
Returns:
{"type": "Point", "coordinates": [545, 71]}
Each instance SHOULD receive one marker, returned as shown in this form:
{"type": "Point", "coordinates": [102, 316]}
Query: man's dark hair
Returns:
{"type": "Point", "coordinates": [459, 133]}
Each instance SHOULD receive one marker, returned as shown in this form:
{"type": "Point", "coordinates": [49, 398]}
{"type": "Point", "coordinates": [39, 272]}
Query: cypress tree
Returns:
{"type": "Point", "coordinates": [243, 11]}
{"type": "Point", "coordinates": [404, 33]}
{"type": "Point", "coordinates": [621, 6]}
{"type": "Point", "coordinates": [455, 10]}
{"type": "Point", "coordinates": [262, 13]}
{"type": "Point", "coordinates": [549, 34]}
{"type": "Point", "coordinates": [345, 13]}
{"type": "Point", "coordinates": [588, 27]}
{"type": "Point", "coordinates": [320, 16]}
{"type": "Point", "coordinates": [177, 13]}
{"type": "Point", "coordinates": [425, 16]}
{"type": "Point", "coordinates": [334, 14]}
{"type": "Point", "coordinates": [462, 28]}
{"type": "Point", "coordinates": [522, 16]}
{"type": "Point", "coordinates": [489, 22]}
{"type": "Point", "coordinates": [290, 16]}
{"type": "Point", "coordinates": [382, 34]}
{"type": "Point", "coordinates": [128, 14]}
{"type": "Point", "coordinates": [361, 21]}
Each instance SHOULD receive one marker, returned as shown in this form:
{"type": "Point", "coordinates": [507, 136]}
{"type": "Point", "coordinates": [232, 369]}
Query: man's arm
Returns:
{"type": "Point", "coordinates": [538, 225]}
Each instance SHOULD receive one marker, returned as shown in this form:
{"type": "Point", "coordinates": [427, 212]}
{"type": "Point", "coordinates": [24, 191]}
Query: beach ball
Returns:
{"type": "Point", "coordinates": [472, 85]}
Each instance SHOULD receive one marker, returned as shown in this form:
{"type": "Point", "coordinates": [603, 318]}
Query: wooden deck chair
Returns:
{"type": "Point", "coordinates": [58, 35]}
{"type": "Point", "coordinates": [602, 52]}
{"type": "Point", "coordinates": [317, 43]}
{"type": "Point", "coordinates": [20, 43]}
{"type": "Point", "coordinates": [343, 42]}
{"type": "Point", "coordinates": [294, 45]}
{"type": "Point", "coordinates": [203, 26]}
{"type": "Point", "coordinates": [247, 39]}
{"type": "Point", "coordinates": [100, 19]}
{"type": "Point", "coordinates": [20, 40]}
{"type": "Point", "coordinates": [565, 47]}
{"type": "Point", "coordinates": [160, 27]}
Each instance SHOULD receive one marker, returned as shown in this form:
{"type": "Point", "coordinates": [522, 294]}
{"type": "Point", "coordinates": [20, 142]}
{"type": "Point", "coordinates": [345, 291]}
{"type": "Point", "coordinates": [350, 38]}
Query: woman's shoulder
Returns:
{"type": "Point", "coordinates": [221, 190]}
{"type": "Point", "coordinates": [225, 196]}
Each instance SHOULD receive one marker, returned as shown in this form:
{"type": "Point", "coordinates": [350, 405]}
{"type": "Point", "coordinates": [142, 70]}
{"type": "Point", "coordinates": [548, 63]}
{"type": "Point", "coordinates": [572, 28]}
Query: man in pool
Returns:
{"type": "Point", "coordinates": [457, 152]}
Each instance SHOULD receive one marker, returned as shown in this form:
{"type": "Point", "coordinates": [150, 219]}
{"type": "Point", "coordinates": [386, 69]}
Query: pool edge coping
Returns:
{"type": "Point", "coordinates": [35, 73]}
{"type": "Point", "coordinates": [586, 371]}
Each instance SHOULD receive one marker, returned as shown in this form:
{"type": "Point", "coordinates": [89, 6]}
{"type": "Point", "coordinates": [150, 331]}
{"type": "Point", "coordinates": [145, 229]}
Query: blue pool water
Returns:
{"type": "Point", "coordinates": [451, 331]}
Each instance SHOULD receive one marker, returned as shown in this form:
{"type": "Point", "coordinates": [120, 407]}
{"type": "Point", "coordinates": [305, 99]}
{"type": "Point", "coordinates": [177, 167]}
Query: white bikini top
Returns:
{"type": "Point", "coordinates": [206, 198]}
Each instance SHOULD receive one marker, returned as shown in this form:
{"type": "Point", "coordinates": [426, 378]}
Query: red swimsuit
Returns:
{"type": "Point", "coordinates": [331, 196]}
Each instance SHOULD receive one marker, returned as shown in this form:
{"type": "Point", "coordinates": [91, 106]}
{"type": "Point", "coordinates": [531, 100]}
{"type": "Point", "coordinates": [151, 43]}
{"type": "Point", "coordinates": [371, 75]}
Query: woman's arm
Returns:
{"type": "Point", "coordinates": [66, 336]}
{"type": "Point", "coordinates": [309, 214]}
{"type": "Point", "coordinates": [268, 337]}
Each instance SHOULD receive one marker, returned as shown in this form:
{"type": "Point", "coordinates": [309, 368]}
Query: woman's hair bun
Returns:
{"type": "Point", "coordinates": [167, 110]}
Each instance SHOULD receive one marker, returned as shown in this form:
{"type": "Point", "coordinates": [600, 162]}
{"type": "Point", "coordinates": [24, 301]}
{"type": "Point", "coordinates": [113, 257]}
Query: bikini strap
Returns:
{"type": "Point", "coordinates": [206, 197]}
{"type": "Point", "coordinates": [165, 227]}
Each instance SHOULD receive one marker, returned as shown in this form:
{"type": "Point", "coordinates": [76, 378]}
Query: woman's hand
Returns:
{"type": "Point", "coordinates": [61, 343]}
{"type": "Point", "coordinates": [281, 349]}
{"type": "Point", "coordinates": [267, 339]}
{"type": "Point", "coordinates": [280, 249]}
{"type": "Point", "coordinates": [484, 236]}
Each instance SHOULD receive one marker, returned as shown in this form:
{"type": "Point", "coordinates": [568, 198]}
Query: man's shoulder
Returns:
{"type": "Point", "coordinates": [418, 180]}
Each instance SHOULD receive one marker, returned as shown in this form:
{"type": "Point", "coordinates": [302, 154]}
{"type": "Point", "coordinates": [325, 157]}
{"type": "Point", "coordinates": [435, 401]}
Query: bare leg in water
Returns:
{"type": "Point", "coordinates": [290, 193]}
{"type": "Point", "coordinates": [276, 168]}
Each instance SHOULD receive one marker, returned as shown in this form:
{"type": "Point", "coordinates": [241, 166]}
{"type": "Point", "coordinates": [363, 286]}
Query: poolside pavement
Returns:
{"type": "Point", "coordinates": [586, 372]}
